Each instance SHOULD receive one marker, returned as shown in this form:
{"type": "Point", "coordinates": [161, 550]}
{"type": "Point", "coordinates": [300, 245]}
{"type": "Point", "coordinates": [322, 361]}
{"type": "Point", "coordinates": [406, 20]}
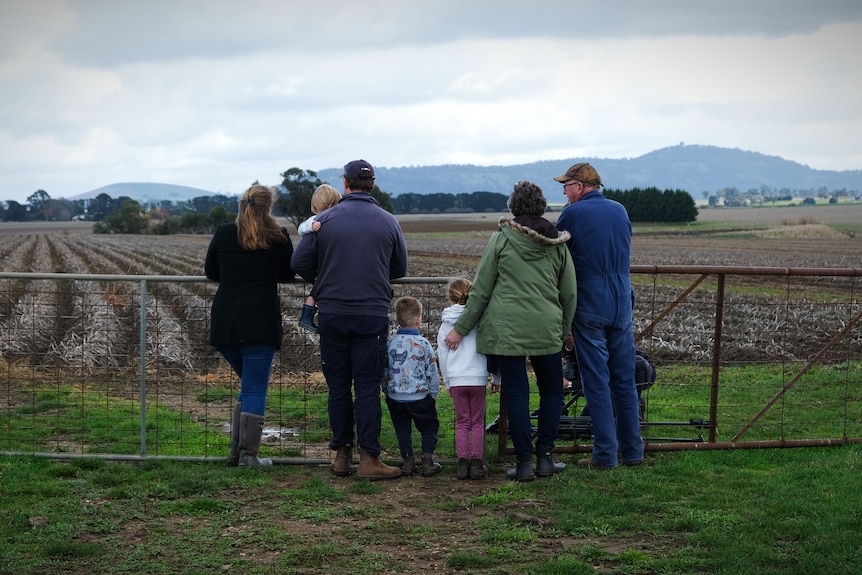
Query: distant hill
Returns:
{"type": "Point", "coordinates": [144, 192]}
{"type": "Point", "coordinates": [692, 168]}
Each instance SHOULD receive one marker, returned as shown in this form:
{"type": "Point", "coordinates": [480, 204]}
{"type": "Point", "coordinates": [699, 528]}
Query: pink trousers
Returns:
{"type": "Point", "coordinates": [469, 405]}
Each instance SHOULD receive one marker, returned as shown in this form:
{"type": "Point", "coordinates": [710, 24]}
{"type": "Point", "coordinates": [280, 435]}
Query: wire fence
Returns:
{"type": "Point", "coordinates": [118, 366]}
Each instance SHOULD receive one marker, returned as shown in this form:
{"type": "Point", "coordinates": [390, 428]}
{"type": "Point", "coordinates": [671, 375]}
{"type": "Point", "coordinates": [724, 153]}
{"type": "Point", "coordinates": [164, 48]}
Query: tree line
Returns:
{"type": "Point", "coordinates": [654, 205]}
{"type": "Point", "coordinates": [203, 214]}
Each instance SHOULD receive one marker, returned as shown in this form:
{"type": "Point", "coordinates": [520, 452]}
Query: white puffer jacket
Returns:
{"type": "Point", "coordinates": [464, 366]}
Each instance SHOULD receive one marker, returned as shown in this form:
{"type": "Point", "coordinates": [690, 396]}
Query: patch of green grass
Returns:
{"type": "Point", "coordinates": [217, 395]}
{"type": "Point", "coordinates": [468, 560]}
{"type": "Point", "coordinates": [815, 406]}
{"type": "Point", "coordinates": [717, 512]}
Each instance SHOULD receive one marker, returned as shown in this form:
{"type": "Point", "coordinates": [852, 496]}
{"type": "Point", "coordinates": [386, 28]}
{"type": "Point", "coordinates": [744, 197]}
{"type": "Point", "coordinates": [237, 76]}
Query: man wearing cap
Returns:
{"type": "Point", "coordinates": [351, 262]}
{"type": "Point", "coordinates": [603, 328]}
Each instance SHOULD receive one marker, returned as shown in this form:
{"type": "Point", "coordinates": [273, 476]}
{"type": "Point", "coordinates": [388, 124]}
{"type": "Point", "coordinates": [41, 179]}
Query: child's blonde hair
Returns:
{"type": "Point", "coordinates": [323, 198]}
{"type": "Point", "coordinates": [459, 290]}
{"type": "Point", "coordinates": [407, 311]}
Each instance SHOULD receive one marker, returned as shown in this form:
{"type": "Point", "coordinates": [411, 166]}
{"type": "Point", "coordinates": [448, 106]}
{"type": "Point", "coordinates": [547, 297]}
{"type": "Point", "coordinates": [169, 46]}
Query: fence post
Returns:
{"type": "Point", "coordinates": [143, 358]}
{"type": "Point", "coordinates": [716, 358]}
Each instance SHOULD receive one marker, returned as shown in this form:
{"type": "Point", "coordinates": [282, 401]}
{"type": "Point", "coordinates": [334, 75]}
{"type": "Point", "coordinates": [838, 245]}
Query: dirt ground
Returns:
{"type": "Point", "coordinates": [437, 509]}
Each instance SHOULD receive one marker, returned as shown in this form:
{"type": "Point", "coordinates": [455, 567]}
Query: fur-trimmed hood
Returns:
{"type": "Point", "coordinates": [562, 237]}
{"type": "Point", "coordinates": [524, 294]}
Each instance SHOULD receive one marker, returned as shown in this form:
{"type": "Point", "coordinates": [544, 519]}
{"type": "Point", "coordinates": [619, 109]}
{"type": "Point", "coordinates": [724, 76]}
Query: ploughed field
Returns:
{"type": "Point", "coordinates": [48, 314]}
{"type": "Point", "coordinates": [764, 237]}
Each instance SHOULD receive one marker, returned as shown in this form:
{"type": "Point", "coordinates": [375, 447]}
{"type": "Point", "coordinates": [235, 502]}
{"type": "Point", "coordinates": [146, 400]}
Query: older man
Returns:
{"type": "Point", "coordinates": [603, 327]}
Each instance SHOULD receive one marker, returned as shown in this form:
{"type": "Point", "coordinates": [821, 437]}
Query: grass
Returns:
{"type": "Point", "coordinates": [690, 512]}
{"type": "Point", "coordinates": [823, 403]}
{"type": "Point", "coordinates": [729, 512]}
{"type": "Point", "coordinates": [63, 418]}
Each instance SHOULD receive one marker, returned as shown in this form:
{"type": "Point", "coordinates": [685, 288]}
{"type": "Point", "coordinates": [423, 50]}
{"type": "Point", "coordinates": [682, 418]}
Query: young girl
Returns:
{"type": "Point", "coordinates": [465, 374]}
{"type": "Point", "coordinates": [323, 198]}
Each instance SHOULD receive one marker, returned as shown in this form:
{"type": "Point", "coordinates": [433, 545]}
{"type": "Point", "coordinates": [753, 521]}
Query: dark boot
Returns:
{"type": "Point", "coordinates": [523, 469]}
{"type": "Point", "coordinates": [372, 468]}
{"type": "Point", "coordinates": [342, 461]}
{"type": "Point", "coordinates": [545, 465]}
{"type": "Point", "coordinates": [250, 432]}
{"type": "Point", "coordinates": [233, 453]}
{"type": "Point", "coordinates": [462, 470]}
{"type": "Point", "coordinates": [430, 467]}
{"type": "Point", "coordinates": [307, 319]}
{"type": "Point", "coordinates": [408, 467]}
{"type": "Point", "coordinates": [477, 469]}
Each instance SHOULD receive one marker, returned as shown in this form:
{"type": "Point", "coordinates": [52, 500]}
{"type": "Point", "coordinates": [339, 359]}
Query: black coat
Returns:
{"type": "Point", "coordinates": [246, 308]}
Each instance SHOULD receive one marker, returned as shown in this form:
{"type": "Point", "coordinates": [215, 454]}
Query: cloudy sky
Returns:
{"type": "Point", "coordinates": [216, 94]}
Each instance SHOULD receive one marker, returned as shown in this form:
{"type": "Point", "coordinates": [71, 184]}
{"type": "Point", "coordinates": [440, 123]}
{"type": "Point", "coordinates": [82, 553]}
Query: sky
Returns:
{"type": "Point", "coordinates": [217, 94]}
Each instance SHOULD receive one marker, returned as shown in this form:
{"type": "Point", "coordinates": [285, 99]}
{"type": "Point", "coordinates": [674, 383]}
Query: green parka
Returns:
{"type": "Point", "coordinates": [524, 294]}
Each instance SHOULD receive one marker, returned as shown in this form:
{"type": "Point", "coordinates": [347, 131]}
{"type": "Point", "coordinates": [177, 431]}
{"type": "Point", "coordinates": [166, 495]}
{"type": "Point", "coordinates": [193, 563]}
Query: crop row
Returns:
{"type": "Point", "coordinates": [91, 324]}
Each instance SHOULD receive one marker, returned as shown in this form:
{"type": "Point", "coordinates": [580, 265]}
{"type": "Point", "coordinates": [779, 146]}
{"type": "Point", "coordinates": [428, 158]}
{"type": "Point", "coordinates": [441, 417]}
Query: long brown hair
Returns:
{"type": "Point", "coordinates": [256, 228]}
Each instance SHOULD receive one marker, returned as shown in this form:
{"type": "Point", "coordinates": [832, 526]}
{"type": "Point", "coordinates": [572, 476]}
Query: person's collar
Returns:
{"type": "Point", "coordinates": [537, 223]}
{"type": "Point", "coordinates": [408, 330]}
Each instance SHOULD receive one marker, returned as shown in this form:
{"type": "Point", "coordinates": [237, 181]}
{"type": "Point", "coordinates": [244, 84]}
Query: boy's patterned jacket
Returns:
{"type": "Point", "coordinates": [411, 371]}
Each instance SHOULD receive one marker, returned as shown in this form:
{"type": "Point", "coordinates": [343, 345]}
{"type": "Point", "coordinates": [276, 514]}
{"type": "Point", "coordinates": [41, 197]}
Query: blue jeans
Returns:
{"type": "Point", "coordinates": [253, 364]}
{"type": "Point", "coordinates": [353, 356]}
{"type": "Point", "coordinates": [605, 345]}
{"type": "Point", "coordinates": [515, 387]}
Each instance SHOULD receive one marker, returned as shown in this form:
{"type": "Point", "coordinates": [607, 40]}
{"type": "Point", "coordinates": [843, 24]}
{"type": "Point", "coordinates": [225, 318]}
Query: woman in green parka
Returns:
{"type": "Point", "coordinates": [523, 301]}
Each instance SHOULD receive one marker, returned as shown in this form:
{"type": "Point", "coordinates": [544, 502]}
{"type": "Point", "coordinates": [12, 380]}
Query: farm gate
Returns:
{"type": "Point", "coordinates": [118, 366]}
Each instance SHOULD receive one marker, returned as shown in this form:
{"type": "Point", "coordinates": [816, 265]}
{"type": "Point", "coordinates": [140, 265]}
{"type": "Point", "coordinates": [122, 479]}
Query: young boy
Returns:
{"type": "Point", "coordinates": [411, 384]}
{"type": "Point", "coordinates": [323, 198]}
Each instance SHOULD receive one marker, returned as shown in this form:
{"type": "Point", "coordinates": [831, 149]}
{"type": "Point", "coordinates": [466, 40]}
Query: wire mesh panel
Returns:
{"type": "Point", "coordinates": [109, 364]}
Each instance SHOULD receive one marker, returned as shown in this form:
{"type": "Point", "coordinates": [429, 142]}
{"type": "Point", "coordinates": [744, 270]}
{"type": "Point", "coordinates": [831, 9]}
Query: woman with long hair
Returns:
{"type": "Point", "coordinates": [249, 258]}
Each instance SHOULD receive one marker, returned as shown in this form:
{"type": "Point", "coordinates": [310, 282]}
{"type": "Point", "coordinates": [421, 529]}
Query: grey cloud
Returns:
{"type": "Point", "coordinates": [108, 32]}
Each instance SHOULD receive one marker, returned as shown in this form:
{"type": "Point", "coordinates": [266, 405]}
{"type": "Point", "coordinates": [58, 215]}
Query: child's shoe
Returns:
{"type": "Point", "coordinates": [408, 467]}
{"type": "Point", "coordinates": [307, 319]}
{"type": "Point", "coordinates": [477, 469]}
{"type": "Point", "coordinates": [462, 470]}
{"type": "Point", "coordinates": [430, 467]}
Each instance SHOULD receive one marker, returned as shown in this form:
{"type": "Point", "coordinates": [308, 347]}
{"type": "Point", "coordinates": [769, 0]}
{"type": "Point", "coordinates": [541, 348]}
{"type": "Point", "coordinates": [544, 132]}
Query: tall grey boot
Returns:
{"type": "Point", "coordinates": [250, 432]}
{"type": "Point", "coordinates": [233, 454]}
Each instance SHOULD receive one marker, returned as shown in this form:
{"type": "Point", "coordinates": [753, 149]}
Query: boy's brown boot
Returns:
{"type": "Point", "coordinates": [372, 468]}
{"type": "Point", "coordinates": [342, 461]}
{"type": "Point", "coordinates": [409, 465]}
{"type": "Point", "coordinates": [430, 467]}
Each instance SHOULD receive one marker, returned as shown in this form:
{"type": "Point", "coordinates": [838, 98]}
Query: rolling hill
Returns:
{"type": "Point", "coordinates": [693, 168]}
{"type": "Point", "coordinates": [146, 192]}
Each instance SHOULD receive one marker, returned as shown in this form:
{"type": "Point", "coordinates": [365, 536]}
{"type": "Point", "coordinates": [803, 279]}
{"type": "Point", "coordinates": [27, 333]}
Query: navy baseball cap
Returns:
{"type": "Point", "coordinates": [358, 170]}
